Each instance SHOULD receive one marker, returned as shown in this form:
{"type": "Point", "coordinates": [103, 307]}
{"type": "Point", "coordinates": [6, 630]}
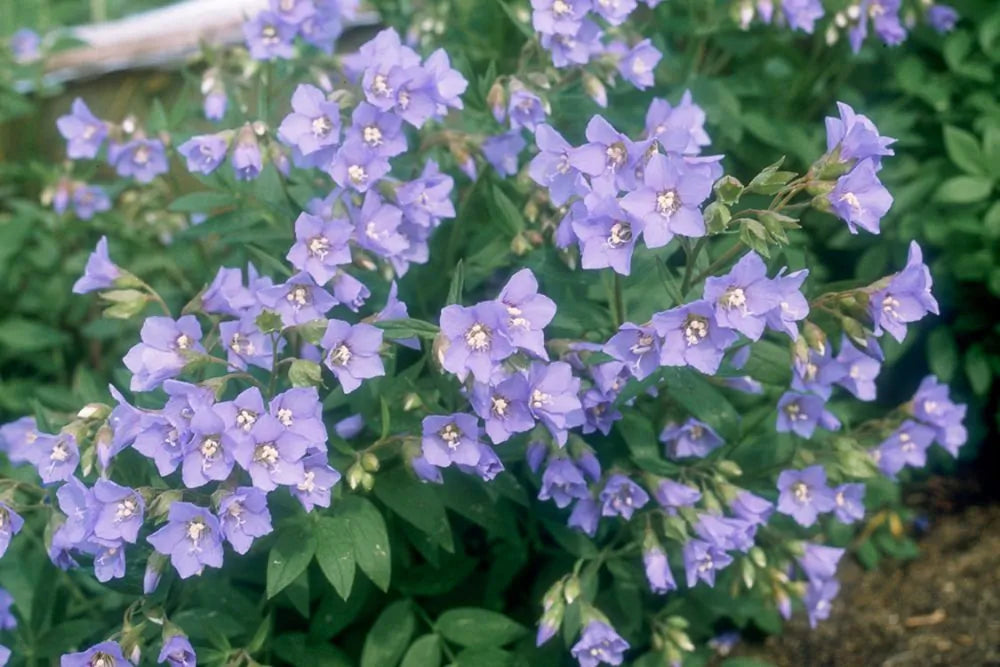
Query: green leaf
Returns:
{"type": "Point", "coordinates": [703, 400]}
{"type": "Point", "coordinates": [486, 657]}
{"type": "Point", "coordinates": [21, 335]}
{"type": "Point", "coordinates": [390, 635]}
{"type": "Point", "coordinates": [942, 353]}
{"type": "Point", "coordinates": [637, 432]}
{"type": "Point", "coordinates": [478, 628]}
{"type": "Point", "coordinates": [335, 553]}
{"type": "Point", "coordinates": [746, 662]}
{"type": "Point", "coordinates": [964, 190]}
{"type": "Point", "coordinates": [425, 652]}
{"type": "Point", "coordinates": [506, 212]}
{"type": "Point", "coordinates": [416, 503]}
{"type": "Point", "coordinates": [963, 149]}
{"type": "Point", "coordinates": [369, 538]}
{"type": "Point", "coordinates": [977, 369]}
{"type": "Point", "coordinates": [201, 202]}
{"type": "Point", "coordinates": [457, 284]}
{"type": "Point", "coordinates": [289, 557]}
{"type": "Point", "coordinates": [407, 328]}
{"type": "Point", "coordinates": [305, 373]}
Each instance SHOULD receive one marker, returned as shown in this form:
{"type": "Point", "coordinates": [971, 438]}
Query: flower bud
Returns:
{"type": "Point", "coordinates": [496, 100]}
{"type": "Point", "coordinates": [370, 462]}
{"type": "Point", "coordinates": [595, 89]}
{"type": "Point", "coordinates": [758, 557]}
{"type": "Point", "coordinates": [729, 468]}
{"type": "Point", "coordinates": [815, 336]}
{"type": "Point", "coordinates": [571, 589]}
{"type": "Point", "coordinates": [367, 481]}
{"type": "Point", "coordinates": [549, 624]}
{"type": "Point", "coordinates": [355, 474]}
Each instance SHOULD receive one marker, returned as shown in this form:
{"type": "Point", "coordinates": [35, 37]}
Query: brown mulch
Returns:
{"type": "Point", "coordinates": [942, 608]}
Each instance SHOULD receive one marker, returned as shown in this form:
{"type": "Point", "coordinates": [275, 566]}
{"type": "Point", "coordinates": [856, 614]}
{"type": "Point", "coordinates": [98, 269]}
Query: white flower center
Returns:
{"type": "Point", "coordinates": [616, 155]}
{"type": "Point", "coordinates": [620, 234]}
{"type": "Point", "coordinates": [380, 85]}
{"type": "Point", "coordinates": [667, 203]}
{"type": "Point", "coordinates": [499, 405]}
{"type": "Point", "coordinates": [298, 296]}
{"type": "Point", "coordinates": [245, 419]}
{"type": "Point", "coordinates": [321, 126]}
{"type": "Point", "coordinates": [126, 509]}
{"type": "Point", "coordinates": [357, 174]}
{"type": "Point", "coordinates": [308, 483]}
{"type": "Point", "coordinates": [478, 337]}
{"type": "Point", "coordinates": [539, 398]}
{"type": "Point", "coordinates": [372, 135]}
{"type": "Point", "coordinates": [696, 330]}
{"type": "Point", "coordinates": [182, 342]}
{"type": "Point", "coordinates": [319, 246]}
{"type": "Point", "coordinates": [734, 297]}
{"type": "Point", "coordinates": [285, 416]}
{"type": "Point", "coordinates": [451, 434]}
{"type": "Point", "coordinates": [210, 446]}
{"type": "Point", "coordinates": [195, 529]}
{"type": "Point", "coordinates": [340, 355]}
{"type": "Point", "coordinates": [801, 492]}
{"type": "Point", "coordinates": [266, 454]}
{"type": "Point", "coordinates": [241, 344]}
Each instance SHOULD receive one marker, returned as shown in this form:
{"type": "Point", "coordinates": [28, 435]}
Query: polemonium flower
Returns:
{"type": "Point", "coordinates": [89, 200]}
{"type": "Point", "coordinates": [906, 446]}
{"type": "Point", "coordinates": [850, 502]}
{"type": "Point", "coordinates": [141, 159]}
{"type": "Point", "coordinates": [396, 310]}
{"type": "Point", "coordinates": [525, 110]}
{"type": "Point", "coordinates": [906, 299]}
{"type": "Point", "coordinates": [18, 437]}
{"type": "Point", "coordinates": [793, 305]}
{"type": "Point", "coordinates": [7, 619]}
{"type": "Point", "coordinates": [320, 246]}
{"type": "Point", "coordinates": [298, 300]}
{"type": "Point", "coordinates": [802, 413]}
{"type": "Point", "coordinates": [658, 574]}
{"type": "Point", "coordinates": [819, 562]}
{"type": "Point", "coordinates": [192, 538]}
{"type": "Point", "coordinates": [622, 497]}
{"type": "Point", "coordinates": [528, 312]}
{"type": "Point", "coordinates": [679, 129]}
{"type": "Point", "coordinates": [476, 339]}
{"type": "Point", "coordinates": [425, 471]}
{"type": "Point", "coordinates": [25, 45]}
{"type": "Point", "coordinates": [10, 525]}
{"type": "Point", "coordinates": [885, 19]}
{"type": "Point", "coordinates": [932, 405]}
{"type": "Point", "coordinates": [817, 599]}
{"type": "Point", "coordinates": [243, 517]}
{"type": "Point", "coordinates": [314, 122]}
{"type": "Point", "coordinates": [668, 202]}
{"type": "Point", "coordinates": [638, 347]}
{"type": "Point", "coordinates": [672, 495]}
{"type": "Point", "coordinates": [725, 532]}
{"type": "Point", "coordinates": [272, 455]}
{"type": "Point", "coordinates": [214, 105]}
{"type": "Point", "coordinates": [55, 457]}
{"type": "Point", "coordinates": [575, 49]}
{"type": "Point", "coordinates": [229, 296]}
{"type": "Point", "coordinates": [702, 561]}
{"type": "Point", "coordinates": [551, 168]}
{"type": "Point", "coordinates": [246, 344]}
{"type": "Point", "coordinates": [860, 199]}
{"type": "Point", "coordinates": [451, 439]}
{"type": "Point", "coordinates": [352, 352]}
{"type": "Point", "coordinates": [559, 16]}
{"type": "Point", "coordinates": [744, 296]}
{"type": "Point", "coordinates": [100, 272]}
{"type": "Point", "coordinates": [246, 158]}
{"type": "Point", "coordinates": [378, 131]}
{"type": "Point", "coordinates": [269, 37]}
{"type": "Point", "coordinates": [349, 291]}
{"type": "Point", "coordinates": [105, 654]}
{"type": "Point", "coordinates": [692, 337]}
{"type": "Point", "coordinates": [84, 132]}
{"type": "Point", "coordinates": [109, 558]}
{"type": "Point", "coordinates": [804, 494]}
{"type": "Point", "coordinates": [554, 398]}
{"type": "Point", "coordinates": [300, 411]}
{"type": "Point", "coordinates": [562, 482]}
{"type": "Point", "coordinates": [447, 83]}
{"type": "Point", "coordinates": [81, 508]}
{"type": "Point", "coordinates": [599, 643]}
{"type": "Point", "coordinates": [503, 407]}
{"type": "Point", "coordinates": [378, 226]}
{"type": "Point", "coordinates": [615, 11]}
{"type": "Point", "coordinates": [427, 199]}
{"type": "Point", "coordinates": [860, 371]}
{"type": "Point", "coordinates": [942, 18]}
{"type": "Point", "coordinates": [802, 14]}
{"type": "Point", "coordinates": [177, 652]}
{"type": "Point", "coordinates": [817, 373]}
{"type": "Point", "coordinates": [638, 64]}
{"type": "Point", "coordinates": [121, 511]}
{"type": "Point", "coordinates": [164, 350]}
{"type": "Point", "coordinates": [692, 438]}
{"type": "Point", "coordinates": [317, 481]}
{"type": "Point", "coordinates": [204, 153]}
{"type": "Point", "coordinates": [487, 467]}
{"type": "Point", "coordinates": [210, 453]}
{"type": "Point", "coordinates": [855, 137]}
{"type": "Point", "coordinates": [503, 150]}
{"type": "Point", "coordinates": [356, 167]}
{"type": "Point", "coordinates": [585, 516]}
{"type": "Point", "coordinates": [599, 411]}
{"type": "Point", "coordinates": [240, 415]}
{"type": "Point", "coordinates": [609, 155]}
{"type": "Point", "coordinates": [751, 508]}
{"type": "Point", "coordinates": [606, 235]}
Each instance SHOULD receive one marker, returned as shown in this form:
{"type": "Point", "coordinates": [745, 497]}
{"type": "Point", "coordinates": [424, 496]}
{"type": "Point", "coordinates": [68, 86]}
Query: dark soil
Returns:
{"type": "Point", "coordinates": [942, 608]}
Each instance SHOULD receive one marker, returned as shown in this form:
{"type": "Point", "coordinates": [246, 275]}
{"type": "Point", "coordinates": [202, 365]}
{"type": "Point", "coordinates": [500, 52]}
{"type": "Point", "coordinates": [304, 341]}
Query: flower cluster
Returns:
{"type": "Point", "coordinates": [271, 33]}
{"type": "Point", "coordinates": [889, 20]}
